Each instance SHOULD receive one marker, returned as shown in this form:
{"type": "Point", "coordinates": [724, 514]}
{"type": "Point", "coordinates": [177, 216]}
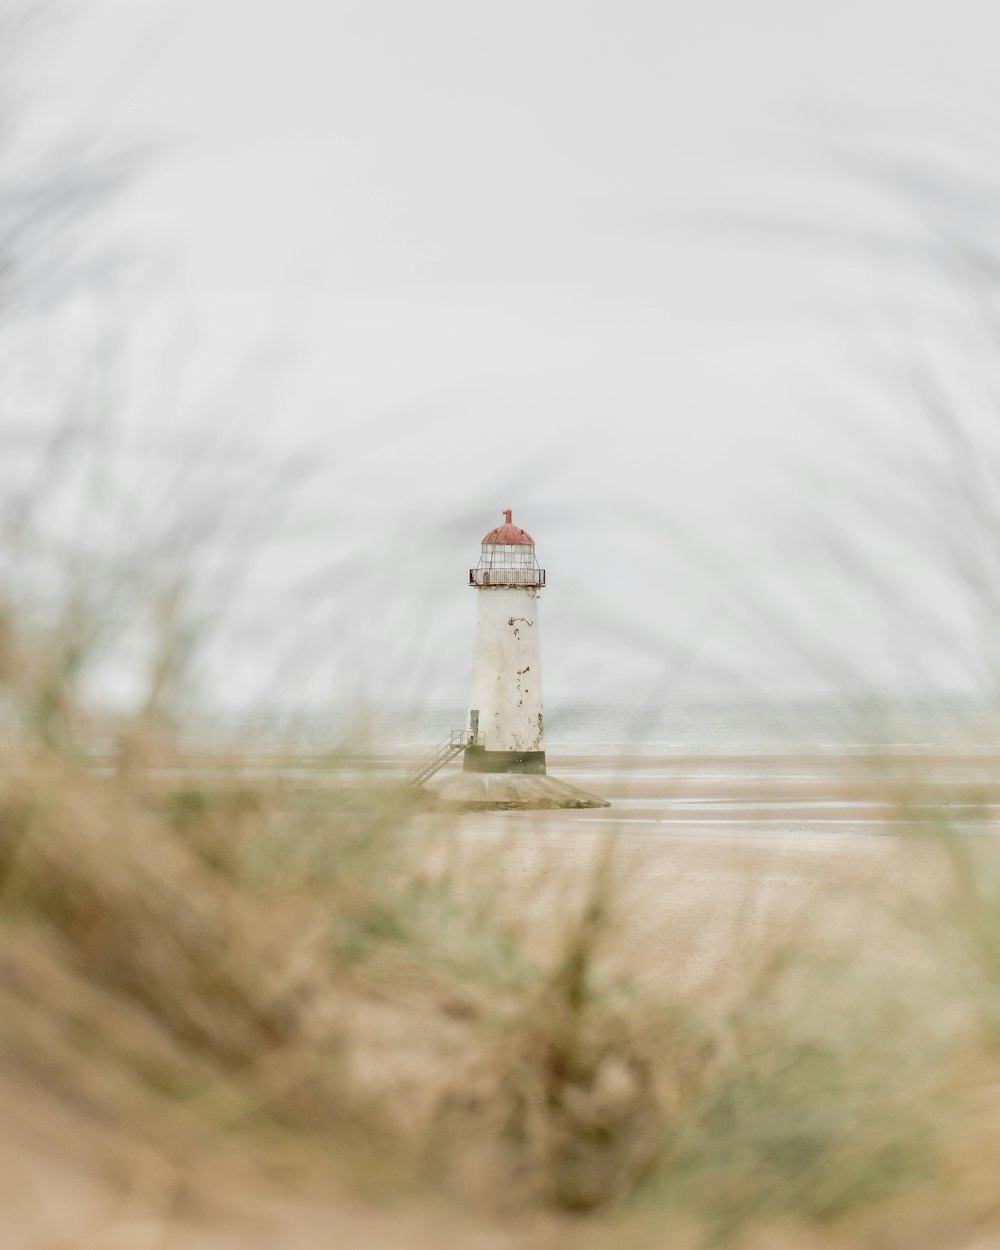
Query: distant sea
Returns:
{"type": "Point", "coordinates": [705, 726]}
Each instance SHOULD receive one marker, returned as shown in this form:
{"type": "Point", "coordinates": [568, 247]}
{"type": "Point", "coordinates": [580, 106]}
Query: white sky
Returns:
{"type": "Point", "coordinates": [603, 263]}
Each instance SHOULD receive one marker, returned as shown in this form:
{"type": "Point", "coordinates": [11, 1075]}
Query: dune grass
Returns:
{"type": "Point", "coordinates": [197, 951]}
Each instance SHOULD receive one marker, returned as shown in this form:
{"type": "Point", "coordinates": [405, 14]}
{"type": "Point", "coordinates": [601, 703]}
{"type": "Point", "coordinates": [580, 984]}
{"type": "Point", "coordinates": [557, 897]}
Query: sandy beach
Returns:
{"type": "Point", "coordinates": [709, 853]}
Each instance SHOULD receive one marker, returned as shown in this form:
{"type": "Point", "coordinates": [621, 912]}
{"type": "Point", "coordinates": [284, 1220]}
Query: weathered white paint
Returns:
{"type": "Point", "coordinates": [506, 669]}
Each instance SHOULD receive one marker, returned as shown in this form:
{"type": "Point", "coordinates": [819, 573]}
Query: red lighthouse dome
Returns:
{"type": "Point", "coordinates": [508, 559]}
{"type": "Point", "coordinates": [508, 533]}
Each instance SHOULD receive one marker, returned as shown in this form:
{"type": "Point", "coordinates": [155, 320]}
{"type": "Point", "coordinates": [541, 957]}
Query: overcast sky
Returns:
{"type": "Point", "coordinates": [623, 267]}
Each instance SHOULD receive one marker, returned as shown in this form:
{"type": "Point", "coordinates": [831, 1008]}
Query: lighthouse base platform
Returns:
{"type": "Point", "coordinates": [508, 792]}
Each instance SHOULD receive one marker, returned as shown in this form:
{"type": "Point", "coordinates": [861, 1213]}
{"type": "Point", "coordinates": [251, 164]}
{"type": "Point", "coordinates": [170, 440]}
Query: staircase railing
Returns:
{"type": "Point", "coordinates": [442, 754]}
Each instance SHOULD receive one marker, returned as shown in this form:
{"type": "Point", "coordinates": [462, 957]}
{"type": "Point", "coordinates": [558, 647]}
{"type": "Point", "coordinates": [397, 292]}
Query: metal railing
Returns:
{"type": "Point", "coordinates": [506, 577]}
{"type": "Point", "coordinates": [442, 754]}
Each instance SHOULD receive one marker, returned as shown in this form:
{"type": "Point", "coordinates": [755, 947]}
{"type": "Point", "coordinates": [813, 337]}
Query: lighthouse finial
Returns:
{"type": "Point", "coordinates": [507, 512]}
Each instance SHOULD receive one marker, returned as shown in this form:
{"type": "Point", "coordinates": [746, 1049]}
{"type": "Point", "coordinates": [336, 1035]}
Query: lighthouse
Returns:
{"type": "Point", "coordinates": [506, 725]}
{"type": "Point", "coordinates": [503, 745]}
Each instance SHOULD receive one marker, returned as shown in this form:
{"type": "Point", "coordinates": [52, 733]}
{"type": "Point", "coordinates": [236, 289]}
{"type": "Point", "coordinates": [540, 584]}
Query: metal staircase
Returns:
{"type": "Point", "coordinates": [445, 751]}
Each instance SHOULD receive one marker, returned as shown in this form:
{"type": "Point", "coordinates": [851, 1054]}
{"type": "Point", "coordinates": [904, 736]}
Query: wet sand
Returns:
{"type": "Point", "coordinates": [711, 854]}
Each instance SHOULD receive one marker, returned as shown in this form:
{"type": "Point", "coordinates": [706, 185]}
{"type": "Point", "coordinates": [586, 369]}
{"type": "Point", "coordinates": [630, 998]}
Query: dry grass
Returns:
{"type": "Point", "coordinates": [202, 958]}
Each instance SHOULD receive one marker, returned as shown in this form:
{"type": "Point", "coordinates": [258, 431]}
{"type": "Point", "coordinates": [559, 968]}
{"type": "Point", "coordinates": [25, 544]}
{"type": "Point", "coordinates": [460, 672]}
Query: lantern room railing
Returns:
{"type": "Point", "coordinates": [506, 577]}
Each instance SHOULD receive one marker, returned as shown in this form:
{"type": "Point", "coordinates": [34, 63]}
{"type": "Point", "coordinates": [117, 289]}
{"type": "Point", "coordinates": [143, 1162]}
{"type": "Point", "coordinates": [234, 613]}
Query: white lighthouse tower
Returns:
{"type": "Point", "coordinates": [506, 727]}
{"type": "Point", "coordinates": [503, 762]}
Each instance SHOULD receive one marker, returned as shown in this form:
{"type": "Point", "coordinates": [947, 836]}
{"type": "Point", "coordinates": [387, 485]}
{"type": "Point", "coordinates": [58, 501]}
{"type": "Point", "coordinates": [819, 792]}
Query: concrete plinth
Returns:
{"type": "Point", "coordinates": [508, 792]}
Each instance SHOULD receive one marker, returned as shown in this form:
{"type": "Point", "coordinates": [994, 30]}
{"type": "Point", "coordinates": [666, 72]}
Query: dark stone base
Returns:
{"type": "Point", "coordinates": [479, 760]}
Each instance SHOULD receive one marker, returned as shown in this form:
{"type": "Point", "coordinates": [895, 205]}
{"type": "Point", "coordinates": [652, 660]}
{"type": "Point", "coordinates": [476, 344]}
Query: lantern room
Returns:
{"type": "Point", "coordinates": [508, 558]}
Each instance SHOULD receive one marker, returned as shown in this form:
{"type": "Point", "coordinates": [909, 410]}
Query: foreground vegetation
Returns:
{"type": "Point", "coordinates": [206, 959]}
